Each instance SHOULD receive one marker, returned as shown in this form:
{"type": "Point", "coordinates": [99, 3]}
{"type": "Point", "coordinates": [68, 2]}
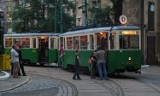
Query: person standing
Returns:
{"type": "Point", "coordinates": [15, 61]}
{"type": "Point", "coordinates": [20, 62]}
{"type": "Point", "coordinates": [61, 55]}
{"type": "Point", "coordinates": [93, 65]}
{"type": "Point", "coordinates": [101, 64]}
{"type": "Point", "coordinates": [76, 67]}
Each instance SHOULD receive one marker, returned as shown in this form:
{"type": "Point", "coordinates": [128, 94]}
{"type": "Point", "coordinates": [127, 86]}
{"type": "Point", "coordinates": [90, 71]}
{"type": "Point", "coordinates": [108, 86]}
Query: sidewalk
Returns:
{"type": "Point", "coordinates": [11, 83]}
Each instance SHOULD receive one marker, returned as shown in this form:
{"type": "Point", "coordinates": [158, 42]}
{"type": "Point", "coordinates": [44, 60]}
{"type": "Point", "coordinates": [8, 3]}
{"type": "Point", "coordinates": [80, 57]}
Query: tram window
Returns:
{"type": "Point", "coordinates": [83, 43]}
{"type": "Point", "coordinates": [69, 43]}
{"type": "Point", "coordinates": [91, 42]}
{"type": "Point", "coordinates": [34, 42]}
{"type": "Point", "coordinates": [113, 41]}
{"type": "Point", "coordinates": [61, 41]}
{"type": "Point", "coordinates": [16, 41]}
{"type": "Point", "coordinates": [8, 42]}
{"type": "Point", "coordinates": [26, 42]}
{"type": "Point", "coordinates": [52, 43]}
{"type": "Point", "coordinates": [76, 42]}
{"type": "Point", "coordinates": [129, 41]}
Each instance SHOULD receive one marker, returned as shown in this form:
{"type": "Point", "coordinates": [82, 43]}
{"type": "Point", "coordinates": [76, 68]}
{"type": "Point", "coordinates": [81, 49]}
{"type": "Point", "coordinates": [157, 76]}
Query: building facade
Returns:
{"type": "Point", "coordinates": [145, 13]}
{"type": "Point", "coordinates": [142, 13]}
{"type": "Point", "coordinates": [7, 7]}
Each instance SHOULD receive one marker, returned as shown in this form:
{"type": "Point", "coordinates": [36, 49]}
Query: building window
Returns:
{"type": "Point", "coordinates": [151, 10]}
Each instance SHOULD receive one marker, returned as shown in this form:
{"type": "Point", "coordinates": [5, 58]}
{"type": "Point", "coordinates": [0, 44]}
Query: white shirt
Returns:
{"type": "Point", "coordinates": [14, 56]}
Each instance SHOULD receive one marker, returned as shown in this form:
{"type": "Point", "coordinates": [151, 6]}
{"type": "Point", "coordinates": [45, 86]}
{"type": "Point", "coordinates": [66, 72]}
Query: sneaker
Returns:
{"type": "Point", "coordinates": [79, 79]}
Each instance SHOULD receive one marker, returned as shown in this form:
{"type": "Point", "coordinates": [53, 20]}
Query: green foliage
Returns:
{"type": "Point", "coordinates": [101, 14]}
{"type": "Point", "coordinates": [35, 15]}
{"type": "Point", "coordinates": [117, 9]}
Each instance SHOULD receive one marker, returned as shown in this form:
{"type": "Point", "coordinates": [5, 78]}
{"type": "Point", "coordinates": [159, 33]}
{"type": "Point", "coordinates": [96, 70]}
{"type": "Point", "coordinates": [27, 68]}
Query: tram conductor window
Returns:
{"type": "Point", "coordinates": [121, 42]}
{"type": "Point", "coordinates": [129, 42]}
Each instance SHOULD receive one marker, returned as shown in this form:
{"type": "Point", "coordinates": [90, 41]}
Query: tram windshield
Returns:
{"type": "Point", "coordinates": [129, 40]}
{"type": "Point", "coordinates": [8, 42]}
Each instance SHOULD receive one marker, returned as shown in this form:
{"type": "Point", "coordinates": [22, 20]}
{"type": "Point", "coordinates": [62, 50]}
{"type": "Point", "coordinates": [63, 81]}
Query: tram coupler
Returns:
{"type": "Point", "coordinates": [139, 72]}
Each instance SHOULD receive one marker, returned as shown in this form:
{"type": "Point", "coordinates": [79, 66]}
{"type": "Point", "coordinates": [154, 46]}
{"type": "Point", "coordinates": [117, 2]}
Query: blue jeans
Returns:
{"type": "Point", "coordinates": [102, 70]}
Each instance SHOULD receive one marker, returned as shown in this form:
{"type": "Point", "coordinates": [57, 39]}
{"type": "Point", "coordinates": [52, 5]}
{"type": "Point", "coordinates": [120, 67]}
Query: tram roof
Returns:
{"type": "Point", "coordinates": [31, 34]}
{"type": "Point", "coordinates": [94, 30]}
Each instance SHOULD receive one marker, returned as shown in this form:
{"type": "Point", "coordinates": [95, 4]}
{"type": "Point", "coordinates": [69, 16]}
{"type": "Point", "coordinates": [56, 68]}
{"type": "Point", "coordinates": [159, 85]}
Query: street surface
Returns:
{"type": "Point", "coordinates": [53, 81]}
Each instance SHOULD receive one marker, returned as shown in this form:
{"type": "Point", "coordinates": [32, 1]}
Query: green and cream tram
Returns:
{"type": "Point", "coordinates": [37, 47]}
{"type": "Point", "coordinates": [122, 44]}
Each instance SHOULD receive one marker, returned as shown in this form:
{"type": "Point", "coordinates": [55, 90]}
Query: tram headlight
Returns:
{"type": "Point", "coordinates": [129, 58]}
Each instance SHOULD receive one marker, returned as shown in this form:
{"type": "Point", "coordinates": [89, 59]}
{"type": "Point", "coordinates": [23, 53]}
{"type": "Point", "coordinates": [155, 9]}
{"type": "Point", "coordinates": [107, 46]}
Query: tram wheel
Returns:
{"type": "Point", "coordinates": [42, 64]}
{"type": "Point", "coordinates": [33, 64]}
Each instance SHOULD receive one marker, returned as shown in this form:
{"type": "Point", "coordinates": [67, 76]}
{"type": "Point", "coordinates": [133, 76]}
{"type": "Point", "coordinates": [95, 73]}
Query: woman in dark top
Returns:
{"type": "Point", "coordinates": [93, 65]}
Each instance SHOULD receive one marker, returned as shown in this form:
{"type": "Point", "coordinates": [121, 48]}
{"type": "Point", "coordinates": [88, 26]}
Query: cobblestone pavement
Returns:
{"type": "Point", "coordinates": [58, 82]}
{"type": "Point", "coordinates": [41, 86]}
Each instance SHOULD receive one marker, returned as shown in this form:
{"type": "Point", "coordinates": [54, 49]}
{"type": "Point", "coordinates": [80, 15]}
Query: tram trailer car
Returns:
{"type": "Point", "coordinates": [122, 44]}
{"type": "Point", "coordinates": [37, 47]}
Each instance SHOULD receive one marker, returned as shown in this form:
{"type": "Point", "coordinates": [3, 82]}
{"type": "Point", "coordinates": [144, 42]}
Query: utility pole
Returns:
{"type": "Point", "coordinates": [85, 12]}
{"type": "Point", "coordinates": [1, 32]}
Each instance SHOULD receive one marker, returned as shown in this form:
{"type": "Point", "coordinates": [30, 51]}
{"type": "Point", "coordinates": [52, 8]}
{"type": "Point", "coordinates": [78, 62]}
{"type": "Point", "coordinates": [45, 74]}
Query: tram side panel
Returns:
{"type": "Point", "coordinates": [121, 61]}
{"type": "Point", "coordinates": [53, 56]}
{"type": "Point", "coordinates": [69, 59]}
{"type": "Point", "coordinates": [31, 55]}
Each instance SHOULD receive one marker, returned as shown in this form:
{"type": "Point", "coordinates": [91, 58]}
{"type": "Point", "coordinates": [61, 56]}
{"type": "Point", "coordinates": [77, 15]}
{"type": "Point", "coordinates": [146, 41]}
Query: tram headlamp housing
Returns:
{"type": "Point", "coordinates": [129, 58]}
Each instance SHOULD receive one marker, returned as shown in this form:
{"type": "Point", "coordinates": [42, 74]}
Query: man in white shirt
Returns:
{"type": "Point", "coordinates": [15, 61]}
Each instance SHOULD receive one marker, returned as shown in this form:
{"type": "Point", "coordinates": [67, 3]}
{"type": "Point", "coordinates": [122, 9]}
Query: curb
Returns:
{"type": "Point", "coordinates": [6, 76]}
{"type": "Point", "coordinates": [17, 85]}
{"type": "Point", "coordinates": [145, 66]}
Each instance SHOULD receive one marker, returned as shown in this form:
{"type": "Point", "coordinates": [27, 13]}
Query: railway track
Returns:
{"type": "Point", "coordinates": [68, 89]}
{"type": "Point", "coordinates": [114, 88]}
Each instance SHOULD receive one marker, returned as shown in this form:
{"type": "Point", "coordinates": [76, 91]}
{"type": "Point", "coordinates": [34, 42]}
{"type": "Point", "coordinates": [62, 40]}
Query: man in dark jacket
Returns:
{"type": "Point", "coordinates": [20, 61]}
{"type": "Point", "coordinates": [77, 62]}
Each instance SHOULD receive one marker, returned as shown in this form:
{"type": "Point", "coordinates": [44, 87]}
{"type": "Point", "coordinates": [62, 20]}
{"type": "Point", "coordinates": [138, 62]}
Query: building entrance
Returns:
{"type": "Point", "coordinates": [151, 56]}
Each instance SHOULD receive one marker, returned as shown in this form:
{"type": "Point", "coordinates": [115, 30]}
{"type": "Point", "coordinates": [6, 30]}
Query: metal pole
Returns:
{"type": "Point", "coordinates": [85, 12]}
{"type": "Point", "coordinates": [61, 16]}
{"type": "Point", "coordinates": [55, 16]}
{"type": "Point", "coordinates": [1, 32]}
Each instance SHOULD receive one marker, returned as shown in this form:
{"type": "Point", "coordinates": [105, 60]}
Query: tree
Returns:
{"type": "Point", "coordinates": [117, 9]}
{"type": "Point", "coordinates": [101, 14]}
{"type": "Point", "coordinates": [36, 15]}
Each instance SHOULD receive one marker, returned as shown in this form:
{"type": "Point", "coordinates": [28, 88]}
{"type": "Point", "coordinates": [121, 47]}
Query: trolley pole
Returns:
{"type": "Point", "coordinates": [61, 16]}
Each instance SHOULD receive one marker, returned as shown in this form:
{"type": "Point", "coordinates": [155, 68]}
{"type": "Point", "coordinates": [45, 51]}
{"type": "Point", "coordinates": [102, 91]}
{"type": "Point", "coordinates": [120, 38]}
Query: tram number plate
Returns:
{"type": "Point", "coordinates": [33, 50]}
{"type": "Point", "coordinates": [129, 62]}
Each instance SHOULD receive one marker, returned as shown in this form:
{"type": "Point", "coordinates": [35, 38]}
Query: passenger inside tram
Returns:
{"type": "Point", "coordinates": [43, 45]}
{"type": "Point", "coordinates": [102, 40]}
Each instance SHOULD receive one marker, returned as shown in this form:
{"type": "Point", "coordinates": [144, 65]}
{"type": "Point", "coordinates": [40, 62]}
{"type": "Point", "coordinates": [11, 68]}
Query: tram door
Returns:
{"type": "Point", "coordinates": [102, 40]}
{"type": "Point", "coordinates": [43, 49]}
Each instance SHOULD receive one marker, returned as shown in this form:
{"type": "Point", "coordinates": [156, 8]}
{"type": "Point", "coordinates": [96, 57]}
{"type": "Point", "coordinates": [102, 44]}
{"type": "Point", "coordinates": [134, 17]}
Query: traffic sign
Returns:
{"type": "Point", "coordinates": [123, 19]}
